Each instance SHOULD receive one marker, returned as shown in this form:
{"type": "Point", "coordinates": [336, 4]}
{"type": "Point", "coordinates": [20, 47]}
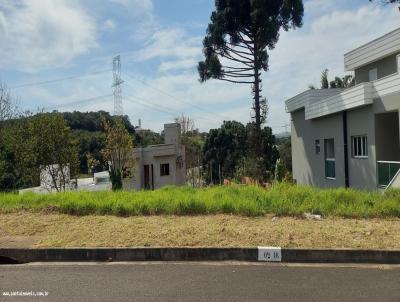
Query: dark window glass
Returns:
{"type": "Point", "coordinates": [330, 148]}
{"type": "Point", "coordinates": [164, 169]}
{"type": "Point", "coordinates": [317, 146]}
{"type": "Point", "coordinates": [359, 146]}
{"type": "Point", "coordinates": [330, 162]}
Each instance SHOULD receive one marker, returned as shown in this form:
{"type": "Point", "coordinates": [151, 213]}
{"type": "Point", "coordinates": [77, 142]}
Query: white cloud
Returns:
{"type": "Point", "coordinates": [44, 33]}
{"type": "Point", "coordinates": [3, 25]}
{"type": "Point", "coordinates": [138, 7]}
{"type": "Point", "coordinates": [301, 55]}
{"type": "Point", "coordinates": [332, 27]}
{"type": "Point", "coordinates": [183, 64]}
{"type": "Point", "coordinates": [297, 61]}
{"type": "Point", "coordinates": [208, 104]}
{"type": "Point", "coordinates": [170, 43]}
{"type": "Point", "coordinates": [109, 25]}
{"type": "Point", "coordinates": [141, 13]}
{"type": "Point", "coordinates": [318, 7]}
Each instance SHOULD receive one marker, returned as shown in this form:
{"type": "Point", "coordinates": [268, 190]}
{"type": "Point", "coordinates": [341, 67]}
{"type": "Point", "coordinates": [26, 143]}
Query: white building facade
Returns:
{"type": "Point", "coordinates": [160, 165]}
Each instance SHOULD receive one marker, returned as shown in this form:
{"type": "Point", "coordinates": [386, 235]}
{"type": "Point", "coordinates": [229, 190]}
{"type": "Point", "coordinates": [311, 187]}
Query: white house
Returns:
{"type": "Point", "coordinates": [160, 165]}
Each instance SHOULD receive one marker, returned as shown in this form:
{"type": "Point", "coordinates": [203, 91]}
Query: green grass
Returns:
{"type": "Point", "coordinates": [281, 199]}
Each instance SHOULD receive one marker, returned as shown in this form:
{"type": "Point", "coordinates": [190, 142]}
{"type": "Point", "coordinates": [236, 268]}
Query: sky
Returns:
{"type": "Point", "coordinates": [57, 55]}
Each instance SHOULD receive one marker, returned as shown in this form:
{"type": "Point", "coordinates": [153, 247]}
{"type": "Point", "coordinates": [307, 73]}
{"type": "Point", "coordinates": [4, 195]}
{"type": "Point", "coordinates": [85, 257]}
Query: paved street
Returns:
{"type": "Point", "coordinates": [201, 282]}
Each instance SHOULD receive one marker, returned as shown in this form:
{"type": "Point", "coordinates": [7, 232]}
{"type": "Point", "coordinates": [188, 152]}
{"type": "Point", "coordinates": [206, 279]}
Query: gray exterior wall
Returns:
{"type": "Point", "coordinates": [309, 167]}
{"type": "Point", "coordinates": [385, 67]}
{"type": "Point", "coordinates": [387, 128]}
{"type": "Point", "coordinates": [362, 171]}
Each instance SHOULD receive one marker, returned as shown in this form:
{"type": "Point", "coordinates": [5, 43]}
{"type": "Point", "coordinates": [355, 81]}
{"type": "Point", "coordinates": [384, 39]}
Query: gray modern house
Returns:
{"type": "Point", "coordinates": [160, 165]}
{"type": "Point", "coordinates": [350, 137]}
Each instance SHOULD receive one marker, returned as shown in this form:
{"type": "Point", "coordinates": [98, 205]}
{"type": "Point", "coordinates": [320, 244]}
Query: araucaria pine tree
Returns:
{"type": "Point", "coordinates": [238, 39]}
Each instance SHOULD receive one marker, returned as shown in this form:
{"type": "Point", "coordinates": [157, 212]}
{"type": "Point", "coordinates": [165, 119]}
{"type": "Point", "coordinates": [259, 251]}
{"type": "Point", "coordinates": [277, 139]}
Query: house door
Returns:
{"type": "Point", "coordinates": [152, 177]}
{"type": "Point", "coordinates": [147, 177]}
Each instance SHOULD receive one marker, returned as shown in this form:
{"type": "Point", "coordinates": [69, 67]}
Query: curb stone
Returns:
{"type": "Point", "coordinates": [288, 255]}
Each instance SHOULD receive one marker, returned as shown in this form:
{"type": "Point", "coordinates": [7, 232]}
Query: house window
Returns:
{"type": "Point", "coordinates": [373, 74]}
{"type": "Point", "coordinates": [317, 146]}
{"type": "Point", "coordinates": [398, 62]}
{"type": "Point", "coordinates": [359, 145]}
{"type": "Point", "coordinates": [164, 169]}
{"type": "Point", "coordinates": [330, 161]}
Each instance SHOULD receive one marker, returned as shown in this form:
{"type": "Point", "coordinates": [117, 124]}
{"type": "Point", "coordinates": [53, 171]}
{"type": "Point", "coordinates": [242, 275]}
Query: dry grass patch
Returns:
{"type": "Point", "coordinates": [57, 230]}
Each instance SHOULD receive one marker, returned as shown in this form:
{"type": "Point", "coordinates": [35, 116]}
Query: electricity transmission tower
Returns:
{"type": "Point", "coordinates": [117, 85]}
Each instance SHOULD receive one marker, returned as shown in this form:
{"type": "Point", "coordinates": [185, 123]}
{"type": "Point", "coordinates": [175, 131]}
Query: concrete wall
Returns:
{"type": "Point", "coordinates": [161, 181]}
{"type": "Point", "coordinates": [386, 128]}
{"type": "Point", "coordinates": [172, 133]}
{"type": "Point", "coordinates": [147, 158]}
{"type": "Point", "coordinates": [309, 167]}
{"type": "Point", "coordinates": [62, 176]}
{"type": "Point", "coordinates": [385, 67]}
{"type": "Point", "coordinates": [362, 171]}
{"type": "Point", "coordinates": [171, 153]}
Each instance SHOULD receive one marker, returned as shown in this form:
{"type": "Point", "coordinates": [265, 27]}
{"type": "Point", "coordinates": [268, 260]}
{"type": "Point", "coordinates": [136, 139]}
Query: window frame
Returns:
{"type": "Point", "coordinates": [373, 71]}
{"type": "Point", "coordinates": [165, 171]}
{"type": "Point", "coordinates": [317, 146]}
{"type": "Point", "coordinates": [359, 142]}
{"type": "Point", "coordinates": [329, 159]}
{"type": "Point", "coordinates": [398, 63]}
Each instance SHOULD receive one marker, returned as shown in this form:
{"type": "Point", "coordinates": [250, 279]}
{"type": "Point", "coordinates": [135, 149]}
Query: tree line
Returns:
{"type": "Point", "coordinates": [227, 153]}
{"type": "Point", "coordinates": [83, 143]}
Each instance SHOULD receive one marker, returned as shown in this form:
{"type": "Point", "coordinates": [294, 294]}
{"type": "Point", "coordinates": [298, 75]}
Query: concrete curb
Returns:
{"type": "Point", "coordinates": [196, 254]}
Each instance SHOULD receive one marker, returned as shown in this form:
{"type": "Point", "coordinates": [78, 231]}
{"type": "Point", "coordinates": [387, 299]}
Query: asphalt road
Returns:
{"type": "Point", "coordinates": [200, 282]}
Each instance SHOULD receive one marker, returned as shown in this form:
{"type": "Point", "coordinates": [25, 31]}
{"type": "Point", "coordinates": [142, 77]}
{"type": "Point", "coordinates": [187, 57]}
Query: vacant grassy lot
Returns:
{"type": "Point", "coordinates": [281, 199]}
{"type": "Point", "coordinates": [59, 230]}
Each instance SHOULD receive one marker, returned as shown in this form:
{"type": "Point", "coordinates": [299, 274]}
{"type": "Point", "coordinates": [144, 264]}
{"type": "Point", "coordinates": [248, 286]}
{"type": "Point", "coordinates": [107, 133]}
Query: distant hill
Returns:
{"type": "Point", "coordinates": [88, 130]}
{"type": "Point", "coordinates": [282, 134]}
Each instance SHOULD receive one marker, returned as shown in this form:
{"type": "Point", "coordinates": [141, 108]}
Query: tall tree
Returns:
{"type": "Point", "coordinates": [223, 149]}
{"type": "Point", "coordinates": [43, 143]}
{"type": "Point", "coordinates": [238, 36]}
{"type": "Point", "coordinates": [389, 1]}
{"type": "Point", "coordinates": [55, 151]}
{"type": "Point", "coordinates": [261, 167]}
{"type": "Point", "coordinates": [8, 107]}
{"type": "Point", "coordinates": [8, 110]}
{"type": "Point", "coordinates": [193, 142]}
{"type": "Point", "coordinates": [187, 124]}
{"type": "Point", "coordinates": [284, 146]}
{"type": "Point", "coordinates": [346, 82]}
{"type": "Point", "coordinates": [324, 79]}
{"type": "Point", "coordinates": [119, 152]}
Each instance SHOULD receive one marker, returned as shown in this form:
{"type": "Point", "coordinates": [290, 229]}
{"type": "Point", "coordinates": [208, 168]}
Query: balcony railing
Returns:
{"type": "Point", "coordinates": [386, 171]}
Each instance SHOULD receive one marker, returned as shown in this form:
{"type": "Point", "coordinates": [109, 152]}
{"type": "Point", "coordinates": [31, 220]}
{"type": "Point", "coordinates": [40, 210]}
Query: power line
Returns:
{"type": "Point", "coordinates": [58, 80]}
{"type": "Point", "coordinates": [169, 109]}
{"type": "Point", "coordinates": [78, 102]}
{"type": "Point", "coordinates": [152, 107]}
{"type": "Point", "coordinates": [162, 109]}
{"type": "Point", "coordinates": [176, 99]}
